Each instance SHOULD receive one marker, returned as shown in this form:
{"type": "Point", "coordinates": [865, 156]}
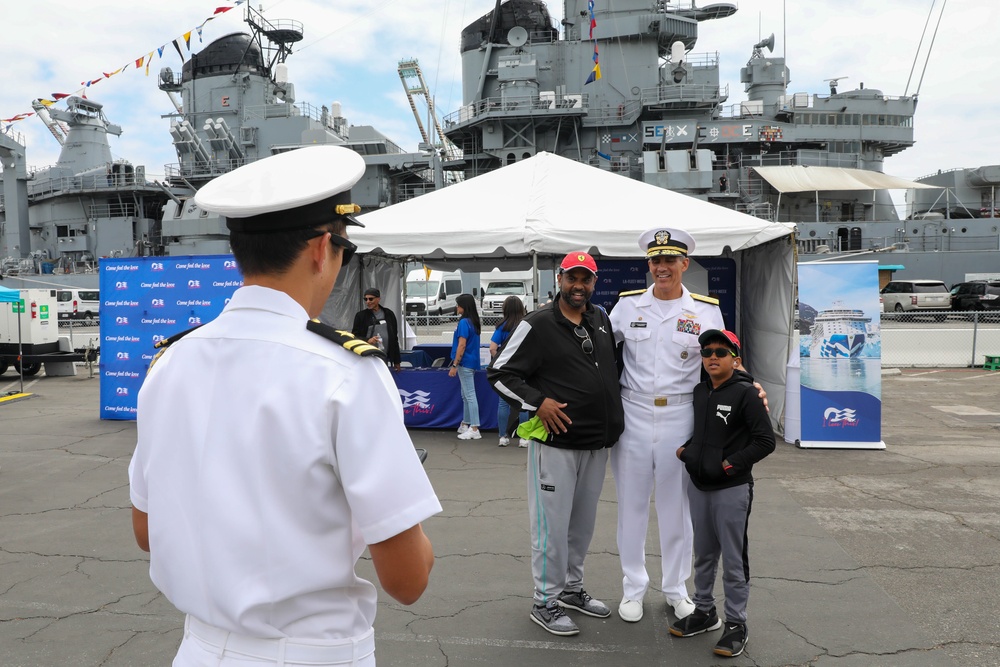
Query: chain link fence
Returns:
{"type": "Point", "coordinates": [939, 339]}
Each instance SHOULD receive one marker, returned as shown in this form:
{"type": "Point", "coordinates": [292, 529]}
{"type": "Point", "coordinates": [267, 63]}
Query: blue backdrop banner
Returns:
{"type": "Point", "coordinates": [841, 355]}
{"type": "Point", "coordinates": [147, 299]}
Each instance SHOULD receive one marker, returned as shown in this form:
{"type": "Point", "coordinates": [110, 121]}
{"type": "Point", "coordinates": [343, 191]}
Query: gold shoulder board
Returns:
{"type": "Point", "coordinates": [162, 346]}
{"type": "Point", "coordinates": [345, 339]}
{"type": "Point", "coordinates": [634, 292]}
{"type": "Point", "coordinates": [706, 299]}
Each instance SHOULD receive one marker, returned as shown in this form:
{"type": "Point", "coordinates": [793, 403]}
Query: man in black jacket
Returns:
{"type": "Point", "coordinates": [377, 326]}
{"type": "Point", "coordinates": [731, 433]}
{"type": "Point", "coordinates": [560, 364]}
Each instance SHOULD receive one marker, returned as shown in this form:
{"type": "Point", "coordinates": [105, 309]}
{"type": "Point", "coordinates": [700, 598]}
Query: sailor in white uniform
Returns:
{"type": "Point", "coordinates": [659, 327]}
{"type": "Point", "coordinates": [271, 449]}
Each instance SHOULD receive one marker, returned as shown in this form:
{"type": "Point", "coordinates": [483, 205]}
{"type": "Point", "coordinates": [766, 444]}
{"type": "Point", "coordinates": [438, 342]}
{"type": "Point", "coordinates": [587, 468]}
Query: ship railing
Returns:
{"type": "Point", "coordinates": [265, 111]}
{"type": "Point", "coordinates": [202, 169]}
{"type": "Point", "coordinates": [113, 210]}
{"type": "Point", "coordinates": [88, 182]}
{"type": "Point", "coordinates": [532, 105]}
{"type": "Point", "coordinates": [939, 172]}
{"type": "Point", "coordinates": [11, 134]}
{"type": "Point", "coordinates": [801, 157]}
{"type": "Point", "coordinates": [626, 113]}
{"type": "Point", "coordinates": [763, 210]}
{"type": "Point", "coordinates": [683, 93]}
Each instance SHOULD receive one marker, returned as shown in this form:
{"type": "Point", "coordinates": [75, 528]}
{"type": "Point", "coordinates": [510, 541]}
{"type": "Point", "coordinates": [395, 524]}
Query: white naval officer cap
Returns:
{"type": "Point", "coordinates": [299, 189]}
{"type": "Point", "coordinates": [666, 241]}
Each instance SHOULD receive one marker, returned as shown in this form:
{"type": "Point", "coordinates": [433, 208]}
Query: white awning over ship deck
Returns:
{"type": "Point", "coordinates": [797, 178]}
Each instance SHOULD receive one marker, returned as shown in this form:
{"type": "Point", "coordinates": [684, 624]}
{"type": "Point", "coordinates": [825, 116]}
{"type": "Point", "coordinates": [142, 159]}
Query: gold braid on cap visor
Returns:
{"type": "Point", "coordinates": [666, 248]}
{"type": "Point", "coordinates": [347, 209]}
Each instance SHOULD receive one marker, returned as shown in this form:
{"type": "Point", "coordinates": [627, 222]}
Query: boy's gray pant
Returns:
{"type": "Point", "coordinates": [720, 521]}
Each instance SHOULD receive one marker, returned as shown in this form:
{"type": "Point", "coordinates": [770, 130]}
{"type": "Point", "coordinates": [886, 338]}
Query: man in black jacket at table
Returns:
{"type": "Point", "coordinates": [378, 326]}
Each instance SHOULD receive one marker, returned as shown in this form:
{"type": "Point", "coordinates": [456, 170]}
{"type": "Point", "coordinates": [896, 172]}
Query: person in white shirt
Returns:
{"type": "Point", "coordinates": [659, 327]}
{"type": "Point", "coordinates": [271, 449]}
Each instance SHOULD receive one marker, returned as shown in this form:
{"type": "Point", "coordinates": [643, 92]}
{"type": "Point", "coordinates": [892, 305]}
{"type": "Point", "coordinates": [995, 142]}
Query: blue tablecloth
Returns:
{"type": "Point", "coordinates": [432, 399]}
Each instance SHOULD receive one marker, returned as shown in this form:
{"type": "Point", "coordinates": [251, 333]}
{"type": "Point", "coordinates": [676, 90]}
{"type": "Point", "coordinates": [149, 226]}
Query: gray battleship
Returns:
{"type": "Point", "coordinates": [234, 103]}
{"type": "Point", "coordinates": [657, 113]}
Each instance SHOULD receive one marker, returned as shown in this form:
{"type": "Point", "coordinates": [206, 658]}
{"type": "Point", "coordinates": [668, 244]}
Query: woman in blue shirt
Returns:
{"type": "Point", "coordinates": [508, 415]}
{"type": "Point", "coordinates": [465, 363]}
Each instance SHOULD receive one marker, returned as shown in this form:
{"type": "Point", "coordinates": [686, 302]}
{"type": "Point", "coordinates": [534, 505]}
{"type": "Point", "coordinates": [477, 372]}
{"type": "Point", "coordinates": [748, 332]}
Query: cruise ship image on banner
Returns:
{"type": "Point", "coordinates": [839, 333]}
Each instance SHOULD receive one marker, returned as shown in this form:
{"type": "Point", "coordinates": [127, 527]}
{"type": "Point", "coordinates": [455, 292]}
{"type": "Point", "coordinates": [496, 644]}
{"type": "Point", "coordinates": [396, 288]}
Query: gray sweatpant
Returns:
{"type": "Point", "coordinates": [720, 521]}
{"type": "Point", "coordinates": [564, 486]}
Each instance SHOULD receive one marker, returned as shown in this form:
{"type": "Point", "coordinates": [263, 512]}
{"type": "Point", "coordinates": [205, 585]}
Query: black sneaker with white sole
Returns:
{"type": "Point", "coordinates": [696, 623]}
{"type": "Point", "coordinates": [733, 640]}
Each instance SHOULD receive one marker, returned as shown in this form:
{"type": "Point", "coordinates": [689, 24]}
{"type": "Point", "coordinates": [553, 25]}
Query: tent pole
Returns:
{"type": "Point", "coordinates": [534, 277]}
{"type": "Point", "coordinates": [20, 348]}
{"type": "Point", "coordinates": [817, 206]}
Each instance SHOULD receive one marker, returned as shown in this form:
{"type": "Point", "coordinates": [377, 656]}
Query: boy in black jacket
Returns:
{"type": "Point", "coordinates": [731, 433]}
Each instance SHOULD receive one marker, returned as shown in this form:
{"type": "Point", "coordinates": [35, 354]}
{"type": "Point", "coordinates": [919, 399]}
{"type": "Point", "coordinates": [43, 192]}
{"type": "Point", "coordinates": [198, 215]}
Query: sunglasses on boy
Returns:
{"type": "Point", "coordinates": [719, 352]}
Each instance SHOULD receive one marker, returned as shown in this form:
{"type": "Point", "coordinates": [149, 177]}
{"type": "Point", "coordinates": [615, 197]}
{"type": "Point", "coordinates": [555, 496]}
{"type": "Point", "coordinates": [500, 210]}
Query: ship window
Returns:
{"type": "Point", "coordinates": [62, 231]}
{"type": "Point", "coordinates": [964, 230]}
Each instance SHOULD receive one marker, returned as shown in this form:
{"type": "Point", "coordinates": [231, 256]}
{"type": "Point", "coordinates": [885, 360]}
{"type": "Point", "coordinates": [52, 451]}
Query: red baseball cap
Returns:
{"type": "Point", "coordinates": [714, 334]}
{"type": "Point", "coordinates": [581, 260]}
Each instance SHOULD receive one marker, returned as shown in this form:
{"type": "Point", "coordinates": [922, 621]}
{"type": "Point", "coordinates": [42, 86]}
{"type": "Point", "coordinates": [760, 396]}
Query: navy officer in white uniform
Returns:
{"type": "Point", "coordinates": [271, 449]}
{"type": "Point", "coordinates": [659, 327]}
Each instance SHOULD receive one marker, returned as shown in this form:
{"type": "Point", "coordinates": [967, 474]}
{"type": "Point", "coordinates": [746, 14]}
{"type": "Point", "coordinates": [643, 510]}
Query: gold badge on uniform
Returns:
{"type": "Point", "coordinates": [684, 354]}
{"type": "Point", "coordinates": [662, 237]}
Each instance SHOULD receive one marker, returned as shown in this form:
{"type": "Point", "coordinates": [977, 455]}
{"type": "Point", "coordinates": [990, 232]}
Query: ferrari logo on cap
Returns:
{"type": "Point", "coordinates": [662, 237]}
{"type": "Point", "coordinates": [580, 258]}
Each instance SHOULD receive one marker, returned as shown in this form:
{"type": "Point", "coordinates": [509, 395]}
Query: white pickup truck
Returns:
{"type": "Point", "coordinates": [497, 286]}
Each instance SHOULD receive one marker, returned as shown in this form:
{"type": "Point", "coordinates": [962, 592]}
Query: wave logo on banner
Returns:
{"type": "Point", "coordinates": [417, 399]}
{"type": "Point", "coordinates": [835, 417]}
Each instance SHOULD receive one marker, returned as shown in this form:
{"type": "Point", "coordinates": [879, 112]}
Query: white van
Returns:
{"type": "Point", "coordinates": [432, 293]}
{"type": "Point", "coordinates": [78, 304]}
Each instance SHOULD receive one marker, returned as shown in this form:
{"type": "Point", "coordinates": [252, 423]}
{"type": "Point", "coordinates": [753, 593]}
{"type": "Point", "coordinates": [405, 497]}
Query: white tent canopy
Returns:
{"type": "Point", "coordinates": [546, 206]}
{"type": "Point", "coordinates": [550, 205]}
{"type": "Point", "coordinates": [799, 178]}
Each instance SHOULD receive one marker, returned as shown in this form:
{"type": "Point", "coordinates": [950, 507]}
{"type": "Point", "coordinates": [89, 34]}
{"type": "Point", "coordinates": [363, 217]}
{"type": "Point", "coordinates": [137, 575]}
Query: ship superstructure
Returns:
{"type": "Point", "coordinates": [88, 205]}
{"type": "Point", "coordinates": [659, 114]}
{"type": "Point", "coordinates": [235, 104]}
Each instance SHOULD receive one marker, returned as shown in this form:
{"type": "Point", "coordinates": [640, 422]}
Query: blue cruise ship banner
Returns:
{"type": "Point", "coordinates": [147, 299]}
{"type": "Point", "coordinates": [841, 355]}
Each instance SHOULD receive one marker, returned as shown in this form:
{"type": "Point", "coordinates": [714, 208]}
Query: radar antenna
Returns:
{"type": "Point", "coordinates": [761, 45]}
{"type": "Point", "coordinates": [833, 83]}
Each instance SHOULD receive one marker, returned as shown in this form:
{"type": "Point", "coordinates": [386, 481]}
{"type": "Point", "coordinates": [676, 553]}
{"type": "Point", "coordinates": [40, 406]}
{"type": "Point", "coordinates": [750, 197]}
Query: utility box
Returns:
{"type": "Point", "coordinates": [39, 325]}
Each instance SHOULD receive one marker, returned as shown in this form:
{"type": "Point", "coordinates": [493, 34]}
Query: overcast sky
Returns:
{"type": "Point", "coordinates": [351, 50]}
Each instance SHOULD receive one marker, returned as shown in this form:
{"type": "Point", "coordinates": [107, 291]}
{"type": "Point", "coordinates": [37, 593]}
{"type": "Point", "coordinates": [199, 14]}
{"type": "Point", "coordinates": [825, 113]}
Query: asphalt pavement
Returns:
{"type": "Point", "coordinates": [858, 558]}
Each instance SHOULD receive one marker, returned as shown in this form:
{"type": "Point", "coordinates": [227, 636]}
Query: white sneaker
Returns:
{"type": "Point", "coordinates": [504, 441]}
{"type": "Point", "coordinates": [462, 428]}
{"type": "Point", "coordinates": [471, 434]}
{"type": "Point", "coordinates": [682, 608]}
{"type": "Point", "coordinates": [630, 610]}
{"type": "Point", "coordinates": [522, 443]}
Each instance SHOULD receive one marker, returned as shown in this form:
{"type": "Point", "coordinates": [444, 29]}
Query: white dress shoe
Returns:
{"type": "Point", "coordinates": [682, 608]}
{"type": "Point", "coordinates": [630, 610]}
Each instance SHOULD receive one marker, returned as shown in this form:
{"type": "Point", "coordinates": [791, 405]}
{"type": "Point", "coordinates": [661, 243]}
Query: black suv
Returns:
{"type": "Point", "coordinates": [976, 295]}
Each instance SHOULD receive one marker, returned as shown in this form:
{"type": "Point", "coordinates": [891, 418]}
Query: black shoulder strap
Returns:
{"type": "Point", "coordinates": [345, 339]}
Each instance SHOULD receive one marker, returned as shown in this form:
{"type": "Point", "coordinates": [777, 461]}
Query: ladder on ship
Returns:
{"type": "Point", "coordinates": [414, 84]}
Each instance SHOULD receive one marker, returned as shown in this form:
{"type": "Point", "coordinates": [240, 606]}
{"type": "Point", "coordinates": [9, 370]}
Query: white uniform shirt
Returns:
{"type": "Point", "coordinates": [267, 458]}
{"type": "Point", "coordinates": [661, 352]}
